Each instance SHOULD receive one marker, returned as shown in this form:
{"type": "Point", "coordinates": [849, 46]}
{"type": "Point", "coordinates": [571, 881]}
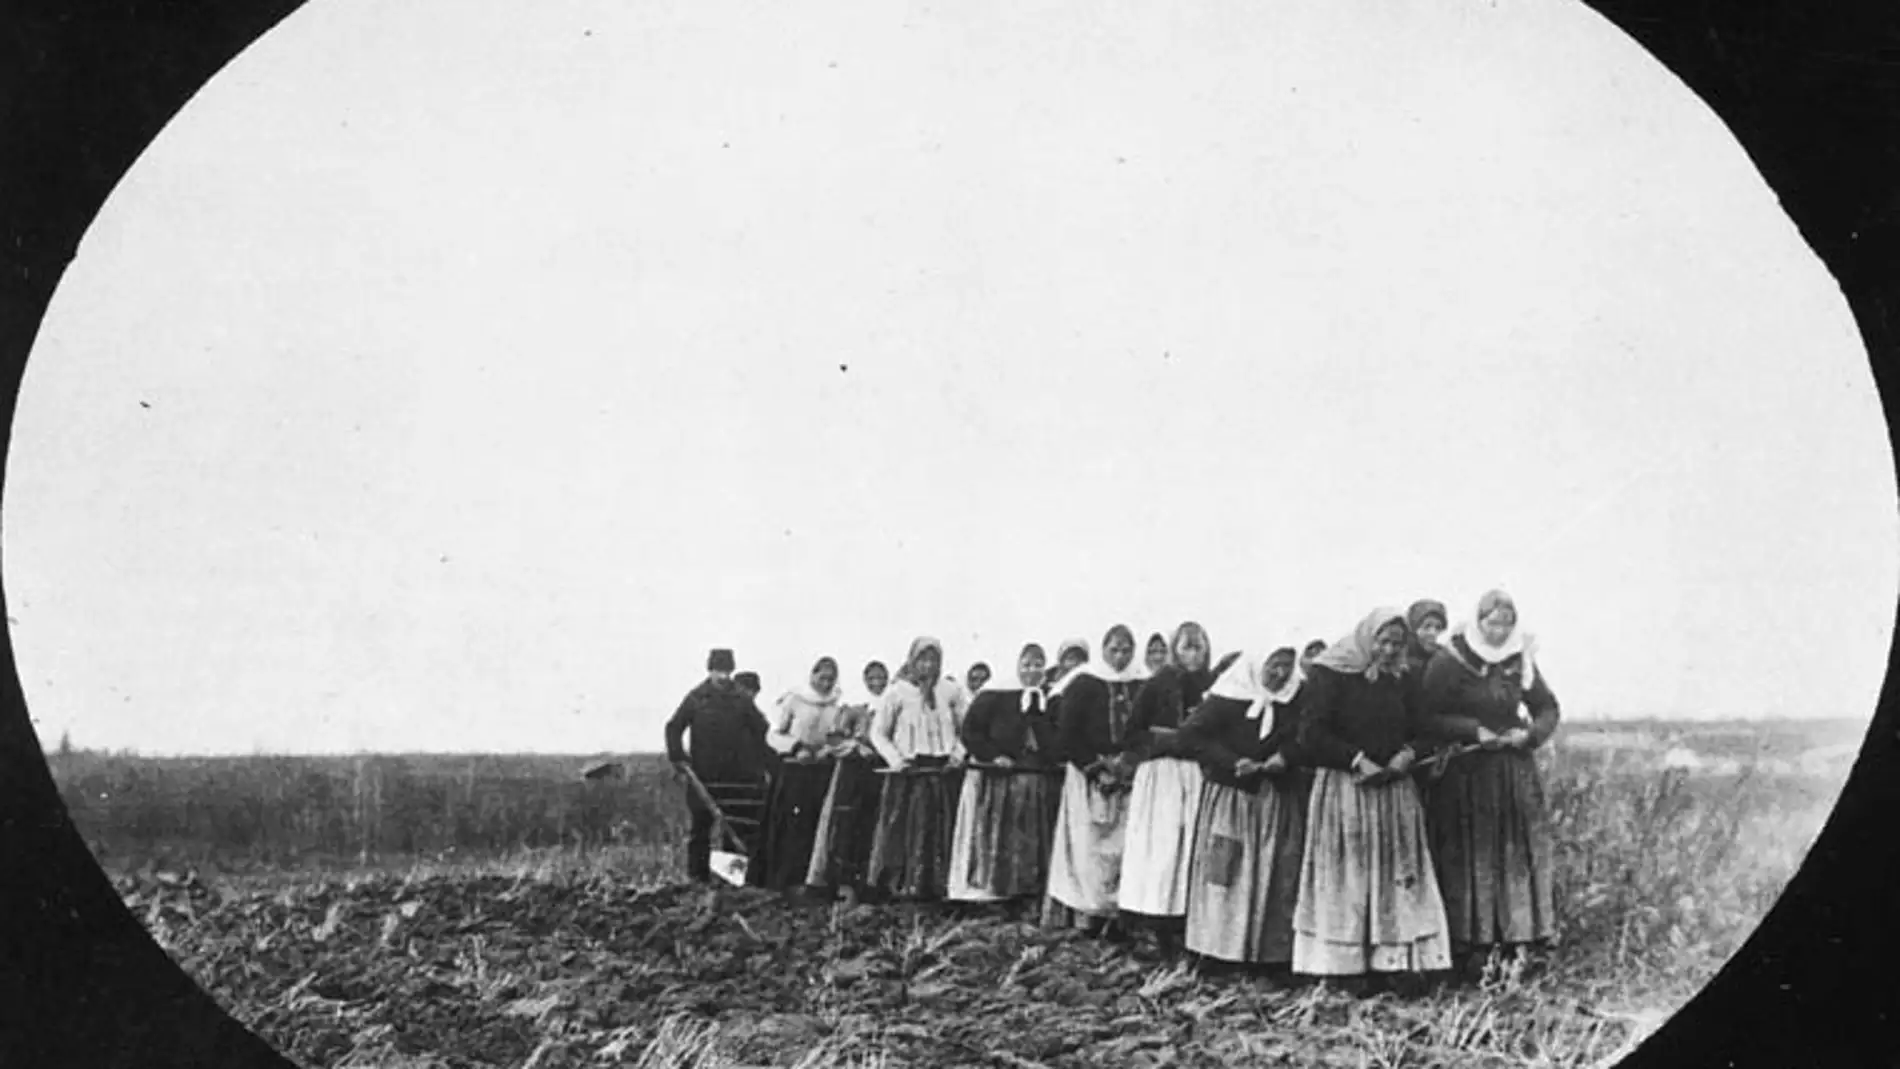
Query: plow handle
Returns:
{"type": "Point", "coordinates": [719, 817]}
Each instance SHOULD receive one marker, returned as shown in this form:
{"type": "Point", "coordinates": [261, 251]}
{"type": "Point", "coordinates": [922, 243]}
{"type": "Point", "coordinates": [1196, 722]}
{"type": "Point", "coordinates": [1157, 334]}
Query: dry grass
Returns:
{"type": "Point", "coordinates": [281, 812]}
{"type": "Point", "coordinates": [563, 957]}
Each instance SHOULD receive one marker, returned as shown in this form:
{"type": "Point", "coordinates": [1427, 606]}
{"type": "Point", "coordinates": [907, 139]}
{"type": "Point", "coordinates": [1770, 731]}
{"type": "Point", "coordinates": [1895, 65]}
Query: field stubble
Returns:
{"type": "Point", "coordinates": [567, 957]}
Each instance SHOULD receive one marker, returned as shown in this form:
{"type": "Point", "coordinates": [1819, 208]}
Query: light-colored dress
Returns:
{"type": "Point", "coordinates": [1368, 897]}
{"type": "Point", "coordinates": [1085, 859]}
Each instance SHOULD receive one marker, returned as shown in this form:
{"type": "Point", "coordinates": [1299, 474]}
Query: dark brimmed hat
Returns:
{"type": "Point", "coordinates": [748, 679]}
{"type": "Point", "coordinates": [719, 661]}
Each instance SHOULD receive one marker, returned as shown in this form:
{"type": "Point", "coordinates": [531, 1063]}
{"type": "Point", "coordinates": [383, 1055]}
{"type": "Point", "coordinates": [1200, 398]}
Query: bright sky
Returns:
{"type": "Point", "coordinates": [501, 359]}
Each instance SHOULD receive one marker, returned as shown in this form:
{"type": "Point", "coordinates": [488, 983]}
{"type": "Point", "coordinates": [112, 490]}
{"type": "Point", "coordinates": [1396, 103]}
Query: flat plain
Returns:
{"type": "Point", "coordinates": [499, 910]}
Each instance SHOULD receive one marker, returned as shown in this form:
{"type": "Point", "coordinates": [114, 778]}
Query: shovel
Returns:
{"type": "Point", "coordinates": [728, 866]}
{"type": "Point", "coordinates": [1438, 762]}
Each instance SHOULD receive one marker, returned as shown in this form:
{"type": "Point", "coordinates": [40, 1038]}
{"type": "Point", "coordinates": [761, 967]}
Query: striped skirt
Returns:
{"type": "Point", "coordinates": [1005, 824]}
{"type": "Point", "coordinates": [1245, 878]}
{"type": "Point", "coordinates": [1085, 860]}
{"type": "Point", "coordinates": [792, 810]}
{"type": "Point", "coordinates": [916, 816]}
{"type": "Point", "coordinates": [1490, 840]}
{"type": "Point", "coordinates": [847, 822]}
{"type": "Point", "coordinates": [1368, 898]}
{"type": "Point", "coordinates": [1159, 839]}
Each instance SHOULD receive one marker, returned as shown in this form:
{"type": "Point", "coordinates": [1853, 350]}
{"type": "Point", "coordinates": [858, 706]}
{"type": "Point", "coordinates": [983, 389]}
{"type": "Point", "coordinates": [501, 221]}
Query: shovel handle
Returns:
{"type": "Point", "coordinates": [985, 766]}
{"type": "Point", "coordinates": [1444, 757]}
{"type": "Point", "coordinates": [719, 817]}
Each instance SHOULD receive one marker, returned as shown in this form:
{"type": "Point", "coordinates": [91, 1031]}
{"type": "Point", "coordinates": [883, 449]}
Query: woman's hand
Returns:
{"type": "Point", "coordinates": [1274, 765]}
{"type": "Point", "coordinates": [1365, 770]}
{"type": "Point", "coordinates": [1247, 766]}
{"type": "Point", "coordinates": [1516, 739]}
{"type": "Point", "coordinates": [1401, 762]}
{"type": "Point", "coordinates": [1489, 739]}
{"type": "Point", "coordinates": [1003, 761]}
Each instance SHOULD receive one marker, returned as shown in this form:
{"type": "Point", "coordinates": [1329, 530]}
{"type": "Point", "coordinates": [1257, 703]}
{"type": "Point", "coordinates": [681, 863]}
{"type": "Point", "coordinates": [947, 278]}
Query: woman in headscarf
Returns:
{"type": "Point", "coordinates": [1165, 796]}
{"type": "Point", "coordinates": [1490, 832]}
{"type": "Point", "coordinates": [1313, 649]}
{"type": "Point", "coordinates": [1007, 815]}
{"type": "Point", "coordinates": [1095, 704]}
{"type": "Point", "coordinates": [977, 678]}
{"type": "Point", "coordinates": [847, 822]}
{"type": "Point", "coordinates": [1368, 899]}
{"type": "Point", "coordinates": [1245, 878]}
{"type": "Point", "coordinates": [1156, 657]}
{"type": "Point", "coordinates": [804, 734]}
{"type": "Point", "coordinates": [1427, 620]}
{"type": "Point", "coordinates": [915, 730]}
{"type": "Point", "coordinates": [1071, 654]}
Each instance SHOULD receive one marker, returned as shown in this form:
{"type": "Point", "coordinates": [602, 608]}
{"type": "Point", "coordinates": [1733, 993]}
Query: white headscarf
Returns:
{"type": "Point", "coordinates": [1294, 680]}
{"type": "Point", "coordinates": [807, 693]}
{"type": "Point", "coordinates": [1030, 697]}
{"type": "Point", "coordinates": [1134, 673]}
{"type": "Point", "coordinates": [1244, 681]}
{"type": "Point", "coordinates": [1069, 645]}
{"type": "Point", "coordinates": [1241, 683]}
{"type": "Point", "coordinates": [926, 687]}
{"type": "Point", "coordinates": [1520, 643]}
{"type": "Point", "coordinates": [1357, 653]}
{"type": "Point", "coordinates": [998, 682]}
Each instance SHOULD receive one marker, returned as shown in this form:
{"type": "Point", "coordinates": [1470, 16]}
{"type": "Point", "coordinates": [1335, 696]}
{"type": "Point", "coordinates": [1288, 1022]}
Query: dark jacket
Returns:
{"type": "Point", "coordinates": [1460, 693]}
{"type": "Point", "coordinates": [1085, 711]}
{"type": "Point", "coordinates": [1165, 701]}
{"type": "Point", "coordinates": [728, 744]}
{"type": "Point", "coordinates": [1219, 735]}
{"type": "Point", "coordinates": [1347, 715]}
{"type": "Point", "coordinates": [996, 726]}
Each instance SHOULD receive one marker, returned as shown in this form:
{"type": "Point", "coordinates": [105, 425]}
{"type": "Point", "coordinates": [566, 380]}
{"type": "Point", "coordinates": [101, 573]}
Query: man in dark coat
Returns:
{"type": "Point", "coordinates": [728, 754]}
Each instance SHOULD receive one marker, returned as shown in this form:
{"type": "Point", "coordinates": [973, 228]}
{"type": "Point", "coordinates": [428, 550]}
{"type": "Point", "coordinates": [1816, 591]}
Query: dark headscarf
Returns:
{"type": "Point", "coordinates": [1421, 611]}
{"type": "Point", "coordinates": [1187, 628]}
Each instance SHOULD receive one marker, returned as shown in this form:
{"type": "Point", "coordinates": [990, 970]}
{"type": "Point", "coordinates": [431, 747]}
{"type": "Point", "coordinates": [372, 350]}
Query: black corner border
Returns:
{"type": "Point", "coordinates": [1811, 91]}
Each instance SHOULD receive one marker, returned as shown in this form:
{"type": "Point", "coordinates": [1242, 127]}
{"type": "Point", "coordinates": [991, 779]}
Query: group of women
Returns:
{"type": "Point", "coordinates": [1365, 808]}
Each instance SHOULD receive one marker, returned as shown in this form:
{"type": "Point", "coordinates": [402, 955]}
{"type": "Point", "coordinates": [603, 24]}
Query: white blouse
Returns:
{"type": "Point", "coordinates": [799, 720]}
{"type": "Point", "coordinates": [903, 728]}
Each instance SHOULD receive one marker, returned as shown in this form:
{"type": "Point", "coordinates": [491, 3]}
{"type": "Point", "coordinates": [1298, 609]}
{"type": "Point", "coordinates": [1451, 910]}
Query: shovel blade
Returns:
{"type": "Point", "coordinates": [729, 867]}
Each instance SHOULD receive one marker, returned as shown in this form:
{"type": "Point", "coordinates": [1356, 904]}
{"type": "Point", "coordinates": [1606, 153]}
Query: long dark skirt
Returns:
{"type": "Point", "coordinates": [1490, 842]}
{"type": "Point", "coordinates": [1005, 824]}
{"type": "Point", "coordinates": [791, 825]}
{"type": "Point", "coordinates": [1245, 877]}
{"type": "Point", "coordinates": [916, 818]}
{"type": "Point", "coordinates": [847, 824]}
